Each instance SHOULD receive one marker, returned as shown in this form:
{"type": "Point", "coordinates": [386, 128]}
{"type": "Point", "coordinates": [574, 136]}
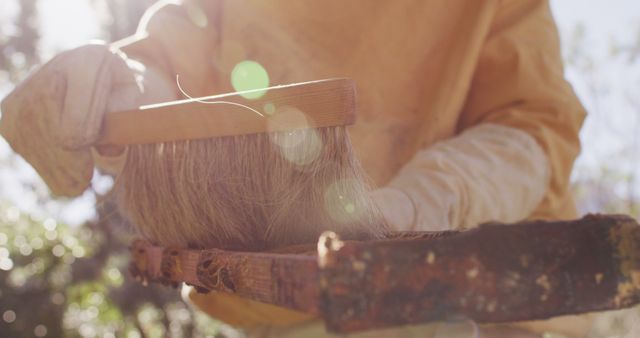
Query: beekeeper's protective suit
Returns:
{"type": "Point", "coordinates": [464, 114]}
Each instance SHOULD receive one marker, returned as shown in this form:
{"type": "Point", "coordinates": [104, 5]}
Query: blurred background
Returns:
{"type": "Point", "coordinates": [63, 262]}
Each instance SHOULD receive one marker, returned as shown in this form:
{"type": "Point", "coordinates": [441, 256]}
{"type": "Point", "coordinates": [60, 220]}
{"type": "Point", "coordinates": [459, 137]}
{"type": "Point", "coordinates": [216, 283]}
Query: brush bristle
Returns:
{"type": "Point", "coordinates": [252, 192]}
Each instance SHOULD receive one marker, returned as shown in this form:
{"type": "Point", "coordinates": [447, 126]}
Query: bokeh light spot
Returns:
{"type": "Point", "coordinates": [114, 276]}
{"type": "Point", "coordinates": [69, 241]}
{"type": "Point", "coordinates": [269, 108]}
{"type": "Point", "coordinates": [57, 298]}
{"type": "Point", "coordinates": [40, 331]}
{"type": "Point", "coordinates": [291, 133]}
{"type": "Point", "coordinates": [9, 316]}
{"type": "Point", "coordinates": [78, 251]}
{"type": "Point", "coordinates": [250, 75]}
{"type": "Point", "coordinates": [340, 204]}
{"type": "Point", "coordinates": [25, 250]}
{"type": "Point", "coordinates": [50, 224]}
{"type": "Point", "coordinates": [19, 241]}
{"type": "Point", "coordinates": [305, 152]}
{"type": "Point", "coordinates": [37, 243]}
{"type": "Point", "coordinates": [68, 259]}
{"type": "Point", "coordinates": [350, 208]}
{"type": "Point", "coordinates": [287, 119]}
{"type": "Point", "coordinates": [58, 250]}
{"type": "Point", "coordinates": [92, 312]}
{"type": "Point", "coordinates": [86, 330]}
{"type": "Point", "coordinates": [51, 235]}
{"type": "Point", "coordinates": [6, 264]}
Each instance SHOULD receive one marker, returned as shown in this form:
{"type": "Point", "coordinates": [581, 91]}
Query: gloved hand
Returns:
{"type": "Point", "coordinates": [488, 173]}
{"type": "Point", "coordinates": [55, 115]}
{"type": "Point", "coordinates": [396, 207]}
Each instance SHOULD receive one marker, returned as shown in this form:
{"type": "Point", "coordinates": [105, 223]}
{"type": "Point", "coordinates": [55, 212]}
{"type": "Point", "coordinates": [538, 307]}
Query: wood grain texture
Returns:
{"type": "Point", "coordinates": [491, 274]}
{"type": "Point", "coordinates": [325, 103]}
{"type": "Point", "coordinates": [495, 273]}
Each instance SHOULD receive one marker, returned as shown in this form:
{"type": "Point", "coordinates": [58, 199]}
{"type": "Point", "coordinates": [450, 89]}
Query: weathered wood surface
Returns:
{"type": "Point", "coordinates": [494, 273]}
{"type": "Point", "coordinates": [325, 103]}
{"type": "Point", "coordinates": [287, 280]}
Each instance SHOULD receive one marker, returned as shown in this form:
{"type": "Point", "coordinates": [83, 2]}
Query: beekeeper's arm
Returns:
{"type": "Point", "coordinates": [518, 140]}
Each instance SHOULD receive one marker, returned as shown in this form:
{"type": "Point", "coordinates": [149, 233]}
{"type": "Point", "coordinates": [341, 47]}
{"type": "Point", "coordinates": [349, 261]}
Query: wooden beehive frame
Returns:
{"type": "Point", "coordinates": [494, 273]}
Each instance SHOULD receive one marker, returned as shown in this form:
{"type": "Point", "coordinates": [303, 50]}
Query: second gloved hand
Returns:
{"type": "Point", "coordinates": [53, 118]}
{"type": "Point", "coordinates": [400, 211]}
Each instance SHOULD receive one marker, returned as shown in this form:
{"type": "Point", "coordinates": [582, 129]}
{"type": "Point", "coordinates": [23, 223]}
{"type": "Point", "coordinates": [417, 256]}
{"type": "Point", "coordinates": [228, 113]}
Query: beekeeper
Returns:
{"type": "Point", "coordinates": [464, 113]}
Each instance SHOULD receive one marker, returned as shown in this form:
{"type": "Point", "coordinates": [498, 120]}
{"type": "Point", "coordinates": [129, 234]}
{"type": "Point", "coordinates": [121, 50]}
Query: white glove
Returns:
{"type": "Point", "coordinates": [488, 173]}
{"type": "Point", "coordinates": [54, 116]}
{"type": "Point", "coordinates": [398, 209]}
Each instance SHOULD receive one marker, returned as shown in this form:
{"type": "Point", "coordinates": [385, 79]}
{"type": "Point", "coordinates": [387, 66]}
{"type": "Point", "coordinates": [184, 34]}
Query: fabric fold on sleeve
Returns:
{"type": "Point", "coordinates": [489, 172]}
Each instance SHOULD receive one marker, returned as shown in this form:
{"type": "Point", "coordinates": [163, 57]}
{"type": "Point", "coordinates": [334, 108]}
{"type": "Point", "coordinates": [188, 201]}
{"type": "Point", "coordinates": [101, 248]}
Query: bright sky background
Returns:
{"type": "Point", "coordinates": [604, 22]}
{"type": "Point", "coordinates": [69, 23]}
{"type": "Point", "coordinates": [610, 135]}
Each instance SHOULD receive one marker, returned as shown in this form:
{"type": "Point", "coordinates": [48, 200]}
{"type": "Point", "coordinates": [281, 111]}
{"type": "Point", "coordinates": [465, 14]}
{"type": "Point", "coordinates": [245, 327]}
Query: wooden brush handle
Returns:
{"type": "Point", "coordinates": [317, 104]}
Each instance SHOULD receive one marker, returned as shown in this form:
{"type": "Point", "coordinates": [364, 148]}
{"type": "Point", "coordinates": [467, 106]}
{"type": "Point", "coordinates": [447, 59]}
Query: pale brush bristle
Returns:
{"type": "Point", "coordinates": [250, 192]}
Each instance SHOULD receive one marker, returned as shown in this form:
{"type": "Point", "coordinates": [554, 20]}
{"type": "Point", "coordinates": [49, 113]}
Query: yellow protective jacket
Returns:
{"type": "Point", "coordinates": [426, 70]}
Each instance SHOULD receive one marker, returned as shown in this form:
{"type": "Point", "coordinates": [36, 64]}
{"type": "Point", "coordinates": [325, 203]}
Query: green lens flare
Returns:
{"type": "Point", "coordinates": [250, 75]}
{"type": "Point", "coordinates": [269, 108]}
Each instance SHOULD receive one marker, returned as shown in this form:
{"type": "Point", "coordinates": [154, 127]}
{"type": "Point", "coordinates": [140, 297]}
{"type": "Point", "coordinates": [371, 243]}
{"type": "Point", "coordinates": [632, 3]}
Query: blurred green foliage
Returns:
{"type": "Point", "coordinates": [58, 281]}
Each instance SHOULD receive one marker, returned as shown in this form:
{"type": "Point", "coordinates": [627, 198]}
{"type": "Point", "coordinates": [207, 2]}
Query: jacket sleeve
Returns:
{"type": "Point", "coordinates": [519, 83]}
{"type": "Point", "coordinates": [518, 135]}
{"type": "Point", "coordinates": [177, 40]}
